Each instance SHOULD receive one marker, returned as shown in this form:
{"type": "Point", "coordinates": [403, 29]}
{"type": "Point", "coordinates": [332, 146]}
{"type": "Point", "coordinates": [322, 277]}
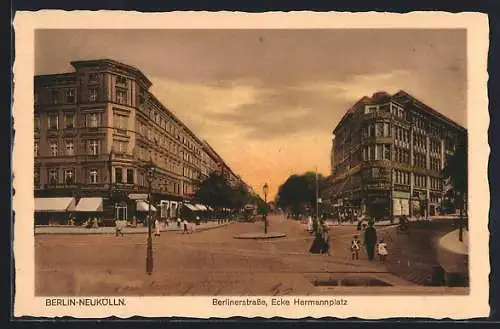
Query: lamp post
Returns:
{"type": "Point", "coordinates": [265, 189]}
{"type": "Point", "coordinates": [149, 253]}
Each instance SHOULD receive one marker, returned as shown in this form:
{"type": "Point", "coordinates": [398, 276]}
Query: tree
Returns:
{"type": "Point", "coordinates": [456, 172]}
{"type": "Point", "coordinates": [214, 191]}
{"type": "Point", "coordinates": [299, 192]}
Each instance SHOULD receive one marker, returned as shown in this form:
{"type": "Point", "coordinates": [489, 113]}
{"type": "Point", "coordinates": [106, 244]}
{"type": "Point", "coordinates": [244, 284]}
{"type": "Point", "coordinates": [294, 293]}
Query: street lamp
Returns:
{"type": "Point", "coordinates": [265, 189]}
{"type": "Point", "coordinates": [149, 253]}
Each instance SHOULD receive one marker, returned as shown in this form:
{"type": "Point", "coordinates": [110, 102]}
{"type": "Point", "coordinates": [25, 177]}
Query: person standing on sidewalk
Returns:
{"type": "Point", "coordinates": [370, 240]}
{"type": "Point", "coordinates": [185, 226]}
{"type": "Point", "coordinates": [157, 227]}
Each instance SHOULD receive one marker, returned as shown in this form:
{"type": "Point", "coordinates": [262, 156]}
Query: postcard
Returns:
{"type": "Point", "coordinates": [211, 165]}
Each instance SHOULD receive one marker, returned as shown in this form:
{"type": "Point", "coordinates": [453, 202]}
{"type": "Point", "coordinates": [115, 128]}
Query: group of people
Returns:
{"type": "Point", "coordinates": [321, 243]}
{"type": "Point", "coordinates": [370, 243]}
{"type": "Point", "coordinates": [187, 227]}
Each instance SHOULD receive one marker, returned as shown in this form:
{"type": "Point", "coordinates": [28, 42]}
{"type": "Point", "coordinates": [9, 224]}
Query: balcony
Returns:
{"type": "Point", "coordinates": [377, 140]}
{"type": "Point", "coordinates": [120, 132]}
{"type": "Point", "coordinates": [377, 115]}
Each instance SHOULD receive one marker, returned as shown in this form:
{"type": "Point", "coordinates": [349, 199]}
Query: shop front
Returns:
{"type": "Point", "coordinates": [377, 204]}
{"type": "Point", "coordinates": [400, 203]}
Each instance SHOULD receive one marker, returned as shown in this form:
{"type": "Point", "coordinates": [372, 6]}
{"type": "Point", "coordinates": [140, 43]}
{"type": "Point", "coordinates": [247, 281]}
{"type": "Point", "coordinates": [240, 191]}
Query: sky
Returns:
{"type": "Point", "coordinates": [268, 100]}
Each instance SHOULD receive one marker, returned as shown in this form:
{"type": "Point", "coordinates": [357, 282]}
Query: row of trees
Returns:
{"type": "Point", "coordinates": [298, 193]}
{"type": "Point", "coordinates": [216, 192]}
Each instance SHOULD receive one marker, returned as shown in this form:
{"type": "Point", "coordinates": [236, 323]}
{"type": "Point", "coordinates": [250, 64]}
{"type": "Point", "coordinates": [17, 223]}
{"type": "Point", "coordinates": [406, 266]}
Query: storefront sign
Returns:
{"type": "Point", "coordinates": [135, 196]}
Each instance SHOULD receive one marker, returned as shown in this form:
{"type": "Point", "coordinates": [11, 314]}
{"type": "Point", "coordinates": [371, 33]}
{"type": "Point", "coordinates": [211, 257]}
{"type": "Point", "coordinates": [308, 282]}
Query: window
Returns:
{"type": "Point", "coordinates": [92, 120]}
{"type": "Point", "coordinates": [420, 181]}
{"type": "Point", "coordinates": [118, 175]}
{"type": "Point", "coordinates": [93, 147]}
{"type": "Point", "coordinates": [435, 164]}
{"type": "Point", "coordinates": [120, 146]}
{"type": "Point", "coordinates": [379, 152]}
{"type": "Point", "coordinates": [93, 176]}
{"type": "Point", "coordinates": [121, 96]}
{"type": "Point", "coordinates": [120, 121]}
{"type": "Point", "coordinates": [371, 130]}
{"type": "Point", "coordinates": [130, 176]}
{"type": "Point", "coordinates": [387, 152]}
{"type": "Point", "coordinates": [54, 97]}
{"type": "Point", "coordinates": [419, 160]}
{"type": "Point", "coordinates": [69, 176]}
{"type": "Point", "coordinates": [53, 148]}
{"type": "Point", "coordinates": [36, 149]}
{"type": "Point", "coordinates": [70, 95]}
{"type": "Point", "coordinates": [37, 177]}
{"type": "Point", "coordinates": [379, 129]}
{"type": "Point", "coordinates": [69, 120]}
{"type": "Point", "coordinates": [93, 77]}
{"type": "Point", "coordinates": [386, 129]}
{"type": "Point", "coordinates": [36, 123]}
{"type": "Point", "coordinates": [121, 81]}
{"type": "Point", "coordinates": [401, 177]}
{"type": "Point", "coordinates": [93, 94]}
{"type": "Point", "coordinates": [53, 119]}
{"type": "Point", "coordinates": [53, 179]}
{"type": "Point", "coordinates": [70, 147]}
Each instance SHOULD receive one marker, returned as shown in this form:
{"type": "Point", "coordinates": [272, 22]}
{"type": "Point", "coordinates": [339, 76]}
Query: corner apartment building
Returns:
{"type": "Point", "coordinates": [98, 128]}
{"type": "Point", "coordinates": [388, 153]}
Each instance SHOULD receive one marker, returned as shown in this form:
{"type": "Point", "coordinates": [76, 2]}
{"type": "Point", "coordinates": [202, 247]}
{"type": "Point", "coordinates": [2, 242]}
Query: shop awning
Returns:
{"type": "Point", "coordinates": [89, 205]}
{"type": "Point", "coordinates": [190, 207]}
{"type": "Point", "coordinates": [201, 207]}
{"type": "Point", "coordinates": [54, 204]}
{"type": "Point", "coordinates": [144, 206]}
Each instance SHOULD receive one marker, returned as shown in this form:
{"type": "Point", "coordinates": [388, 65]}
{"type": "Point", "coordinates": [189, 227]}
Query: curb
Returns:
{"type": "Point", "coordinates": [131, 232]}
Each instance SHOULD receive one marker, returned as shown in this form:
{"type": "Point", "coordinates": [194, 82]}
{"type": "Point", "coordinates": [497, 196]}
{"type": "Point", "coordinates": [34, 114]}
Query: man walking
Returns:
{"type": "Point", "coordinates": [370, 240]}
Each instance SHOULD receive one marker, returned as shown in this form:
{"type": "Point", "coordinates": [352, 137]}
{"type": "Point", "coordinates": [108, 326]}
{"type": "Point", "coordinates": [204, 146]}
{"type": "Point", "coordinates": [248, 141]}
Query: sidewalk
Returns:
{"type": "Point", "coordinates": [388, 222]}
{"type": "Point", "coordinates": [453, 256]}
{"type": "Point", "coordinates": [127, 230]}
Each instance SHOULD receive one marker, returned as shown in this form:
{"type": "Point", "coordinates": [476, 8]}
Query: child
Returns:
{"type": "Point", "coordinates": [118, 228]}
{"type": "Point", "coordinates": [355, 247]}
{"type": "Point", "coordinates": [382, 250]}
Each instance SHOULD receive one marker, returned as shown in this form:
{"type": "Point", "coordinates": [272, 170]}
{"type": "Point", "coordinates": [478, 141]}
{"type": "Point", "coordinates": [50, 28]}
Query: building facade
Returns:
{"type": "Point", "coordinates": [388, 156]}
{"type": "Point", "coordinates": [96, 131]}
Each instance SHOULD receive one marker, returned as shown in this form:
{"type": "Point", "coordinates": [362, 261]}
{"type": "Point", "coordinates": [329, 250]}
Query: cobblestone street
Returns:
{"type": "Point", "coordinates": [212, 262]}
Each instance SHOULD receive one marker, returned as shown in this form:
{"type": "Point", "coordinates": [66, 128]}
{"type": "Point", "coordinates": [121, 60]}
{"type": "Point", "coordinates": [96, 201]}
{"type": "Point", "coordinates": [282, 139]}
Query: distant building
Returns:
{"type": "Point", "coordinates": [96, 130]}
{"type": "Point", "coordinates": [388, 155]}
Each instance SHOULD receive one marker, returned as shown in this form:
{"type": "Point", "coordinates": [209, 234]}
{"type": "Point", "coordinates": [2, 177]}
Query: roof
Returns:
{"type": "Point", "coordinates": [404, 95]}
{"type": "Point", "coordinates": [398, 97]}
{"type": "Point", "coordinates": [350, 111]}
{"type": "Point", "coordinates": [111, 62]}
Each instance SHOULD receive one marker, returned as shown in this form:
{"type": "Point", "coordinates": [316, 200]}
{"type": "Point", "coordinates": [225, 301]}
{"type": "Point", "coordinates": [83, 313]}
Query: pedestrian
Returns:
{"type": "Point", "coordinates": [370, 240]}
{"type": "Point", "coordinates": [382, 250]}
{"type": "Point", "coordinates": [326, 240]}
{"type": "Point", "coordinates": [178, 222]}
{"type": "Point", "coordinates": [355, 247]}
{"type": "Point", "coordinates": [309, 224]}
{"type": "Point", "coordinates": [185, 226]}
{"type": "Point", "coordinates": [118, 228]}
{"type": "Point", "coordinates": [157, 227]}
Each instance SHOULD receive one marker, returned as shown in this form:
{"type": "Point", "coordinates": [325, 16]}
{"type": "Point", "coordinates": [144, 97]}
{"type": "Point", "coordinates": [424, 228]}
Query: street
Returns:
{"type": "Point", "coordinates": [213, 262]}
